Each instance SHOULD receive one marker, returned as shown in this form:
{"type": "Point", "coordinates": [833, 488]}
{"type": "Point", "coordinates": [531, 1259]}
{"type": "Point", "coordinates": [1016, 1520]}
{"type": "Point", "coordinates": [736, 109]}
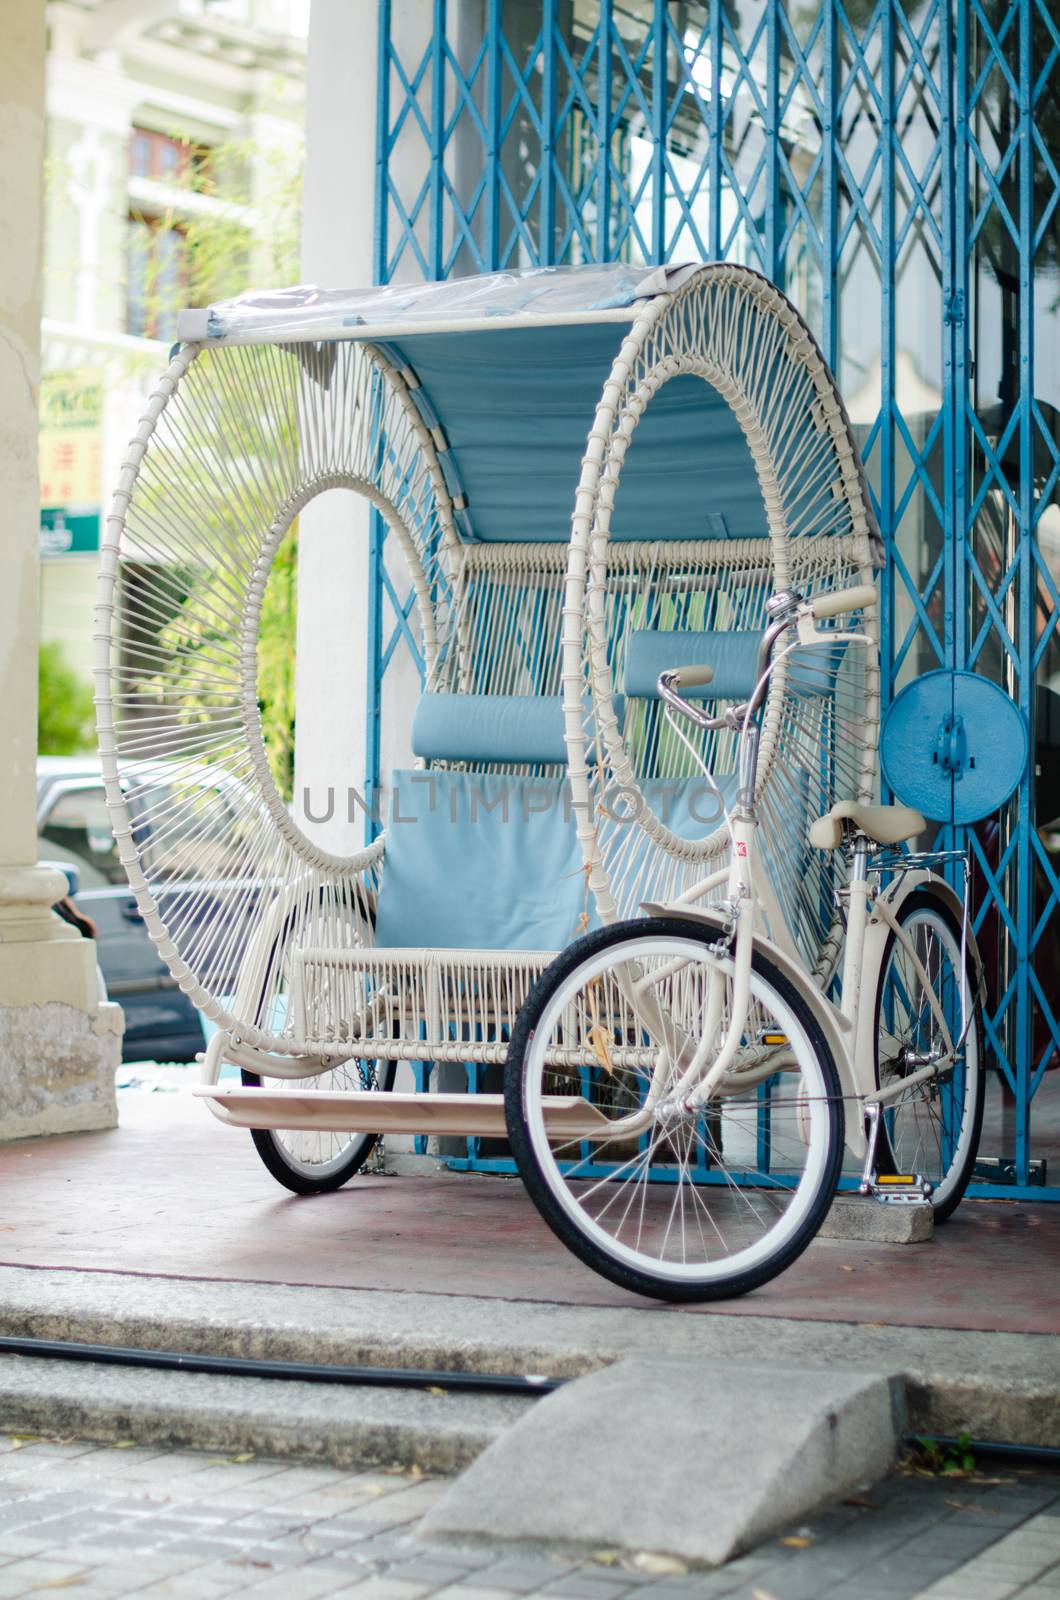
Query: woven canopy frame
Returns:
{"type": "Point", "coordinates": [346, 409]}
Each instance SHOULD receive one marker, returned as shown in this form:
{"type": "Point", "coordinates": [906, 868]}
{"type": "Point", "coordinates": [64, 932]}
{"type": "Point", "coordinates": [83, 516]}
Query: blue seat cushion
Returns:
{"type": "Point", "coordinates": [492, 728]}
{"type": "Point", "coordinates": [484, 861]}
{"type": "Point", "coordinates": [479, 861]}
{"type": "Point", "coordinates": [732, 656]}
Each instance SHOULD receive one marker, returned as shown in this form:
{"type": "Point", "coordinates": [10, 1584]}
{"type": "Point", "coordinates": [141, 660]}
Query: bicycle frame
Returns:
{"type": "Point", "coordinates": [751, 915]}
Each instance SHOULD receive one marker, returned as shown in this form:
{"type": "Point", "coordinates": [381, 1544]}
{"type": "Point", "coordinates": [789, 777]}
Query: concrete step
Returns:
{"type": "Point", "coordinates": [1001, 1386]}
{"type": "Point", "coordinates": [333, 1424]}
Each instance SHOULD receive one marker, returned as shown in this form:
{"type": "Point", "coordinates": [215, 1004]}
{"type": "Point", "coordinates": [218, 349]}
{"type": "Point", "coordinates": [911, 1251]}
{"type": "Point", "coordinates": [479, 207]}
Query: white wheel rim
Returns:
{"type": "Point", "coordinates": [813, 1113]}
{"type": "Point", "coordinates": [287, 1140]}
{"type": "Point", "coordinates": [941, 930]}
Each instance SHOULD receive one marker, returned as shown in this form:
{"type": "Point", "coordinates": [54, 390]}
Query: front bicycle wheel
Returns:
{"type": "Point", "coordinates": [675, 1202]}
{"type": "Point", "coordinates": [933, 1128]}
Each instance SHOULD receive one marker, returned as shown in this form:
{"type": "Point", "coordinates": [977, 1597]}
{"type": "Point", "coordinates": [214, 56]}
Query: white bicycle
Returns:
{"type": "Point", "coordinates": [725, 1082]}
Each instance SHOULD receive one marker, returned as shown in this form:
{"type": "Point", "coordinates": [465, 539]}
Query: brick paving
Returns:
{"type": "Point", "coordinates": [104, 1521]}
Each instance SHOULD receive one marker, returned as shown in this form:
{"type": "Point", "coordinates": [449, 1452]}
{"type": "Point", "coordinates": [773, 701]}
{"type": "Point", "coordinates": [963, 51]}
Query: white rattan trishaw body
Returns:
{"type": "Point", "coordinates": [548, 792]}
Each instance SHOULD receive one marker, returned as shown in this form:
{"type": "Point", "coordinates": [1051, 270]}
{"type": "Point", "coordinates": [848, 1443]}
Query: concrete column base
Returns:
{"type": "Point", "coordinates": [59, 1047]}
{"type": "Point", "coordinates": [57, 1066]}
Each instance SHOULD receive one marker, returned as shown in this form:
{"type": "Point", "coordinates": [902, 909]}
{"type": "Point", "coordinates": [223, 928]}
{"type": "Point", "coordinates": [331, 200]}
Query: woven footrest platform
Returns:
{"type": "Point", "coordinates": [435, 1005]}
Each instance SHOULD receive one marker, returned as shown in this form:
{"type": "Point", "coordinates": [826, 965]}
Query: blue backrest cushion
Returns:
{"type": "Point", "coordinates": [492, 728]}
{"type": "Point", "coordinates": [732, 656]}
{"type": "Point", "coordinates": [492, 862]}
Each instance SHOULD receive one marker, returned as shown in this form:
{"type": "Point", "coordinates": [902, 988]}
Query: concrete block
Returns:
{"type": "Point", "coordinates": [57, 1066]}
{"type": "Point", "coordinates": [679, 1456]}
{"type": "Point", "coordinates": [859, 1217]}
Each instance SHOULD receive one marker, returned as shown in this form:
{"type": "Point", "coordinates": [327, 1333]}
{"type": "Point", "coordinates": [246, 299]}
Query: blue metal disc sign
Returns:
{"type": "Point", "coordinates": [954, 746]}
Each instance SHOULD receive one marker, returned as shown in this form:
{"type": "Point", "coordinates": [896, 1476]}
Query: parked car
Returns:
{"type": "Point", "coordinates": [70, 912]}
{"type": "Point", "coordinates": [73, 826]}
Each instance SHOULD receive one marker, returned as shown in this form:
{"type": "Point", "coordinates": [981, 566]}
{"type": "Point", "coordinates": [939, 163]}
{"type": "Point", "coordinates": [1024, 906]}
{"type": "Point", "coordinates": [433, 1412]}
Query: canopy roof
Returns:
{"type": "Point", "coordinates": [540, 294]}
{"type": "Point", "coordinates": [510, 367]}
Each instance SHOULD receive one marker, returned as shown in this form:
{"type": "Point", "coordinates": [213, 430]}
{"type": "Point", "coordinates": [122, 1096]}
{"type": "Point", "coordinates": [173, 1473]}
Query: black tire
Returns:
{"type": "Point", "coordinates": [967, 1081]}
{"type": "Point", "coordinates": [294, 1175]}
{"type": "Point", "coordinates": [641, 1281]}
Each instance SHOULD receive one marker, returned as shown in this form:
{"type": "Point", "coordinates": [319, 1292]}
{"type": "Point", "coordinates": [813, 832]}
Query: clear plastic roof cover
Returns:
{"type": "Point", "coordinates": [545, 293]}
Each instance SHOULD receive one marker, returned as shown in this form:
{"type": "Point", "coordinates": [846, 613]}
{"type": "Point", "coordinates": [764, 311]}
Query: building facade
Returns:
{"type": "Point", "coordinates": [171, 129]}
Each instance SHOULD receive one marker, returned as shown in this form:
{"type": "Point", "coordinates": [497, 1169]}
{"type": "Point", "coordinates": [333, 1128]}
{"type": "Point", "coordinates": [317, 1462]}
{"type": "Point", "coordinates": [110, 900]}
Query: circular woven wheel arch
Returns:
{"type": "Point", "coordinates": [234, 442]}
{"type": "Point", "coordinates": [731, 328]}
{"type": "Point", "coordinates": [250, 630]}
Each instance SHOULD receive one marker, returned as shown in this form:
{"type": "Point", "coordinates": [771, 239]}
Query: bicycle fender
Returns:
{"type": "Point", "coordinates": [877, 932]}
{"type": "Point", "coordinates": [835, 1027]}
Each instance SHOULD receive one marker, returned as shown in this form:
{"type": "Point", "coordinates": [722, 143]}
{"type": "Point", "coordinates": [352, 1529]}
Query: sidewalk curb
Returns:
{"type": "Point", "coordinates": [998, 1386]}
{"type": "Point", "coordinates": [335, 1426]}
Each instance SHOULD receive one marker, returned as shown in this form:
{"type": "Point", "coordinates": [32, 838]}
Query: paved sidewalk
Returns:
{"type": "Point", "coordinates": [105, 1521]}
{"type": "Point", "coordinates": [172, 1192]}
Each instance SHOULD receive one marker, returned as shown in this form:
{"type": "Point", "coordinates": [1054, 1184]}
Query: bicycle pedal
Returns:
{"type": "Point", "coordinates": [900, 1188]}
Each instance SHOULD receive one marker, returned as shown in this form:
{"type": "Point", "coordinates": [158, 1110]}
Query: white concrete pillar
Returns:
{"type": "Point", "coordinates": [338, 224]}
{"type": "Point", "coordinates": [58, 1047]}
{"type": "Point", "coordinates": [338, 206]}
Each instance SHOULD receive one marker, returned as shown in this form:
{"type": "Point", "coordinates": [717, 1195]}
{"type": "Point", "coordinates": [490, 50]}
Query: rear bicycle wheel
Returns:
{"type": "Point", "coordinates": [318, 1161]}
{"type": "Point", "coordinates": [697, 1204]}
{"type": "Point", "coordinates": [932, 1130]}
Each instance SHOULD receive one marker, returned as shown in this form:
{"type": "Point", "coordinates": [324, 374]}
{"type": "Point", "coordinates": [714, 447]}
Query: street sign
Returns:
{"type": "Point", "coordinates": [69, 530]}
{"type": "Point", "coordinates": [70, 440]}
{"type": "Point", "coordinates": [71, 416]}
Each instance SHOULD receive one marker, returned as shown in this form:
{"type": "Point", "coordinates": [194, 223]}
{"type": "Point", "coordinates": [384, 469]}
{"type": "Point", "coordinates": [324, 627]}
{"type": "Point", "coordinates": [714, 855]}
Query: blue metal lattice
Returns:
{"type": "Point", "coordinates": [894, 167]}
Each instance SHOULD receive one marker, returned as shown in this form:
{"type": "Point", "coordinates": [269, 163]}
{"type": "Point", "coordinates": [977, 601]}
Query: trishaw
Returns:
{"type": "Point", "coordinates": [667, 699]}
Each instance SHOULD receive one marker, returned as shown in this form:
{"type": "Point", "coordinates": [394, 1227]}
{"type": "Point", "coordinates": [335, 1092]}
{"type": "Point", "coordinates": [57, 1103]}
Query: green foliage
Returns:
{"type": "Point", "coordinates": [200, 648]}
{"type": "Point", "coordinates": [259, 236]}
{"type": "Point", "coordinates": [65, 714]}
{"type": "Point", "coordinates": [251, 236]}
{"type": "Point", "coordinates": [949, 1460]}
{"type": "Point", "coordinates": [276, 638]}
{"type": "Point", "coordinates": [253, 239]}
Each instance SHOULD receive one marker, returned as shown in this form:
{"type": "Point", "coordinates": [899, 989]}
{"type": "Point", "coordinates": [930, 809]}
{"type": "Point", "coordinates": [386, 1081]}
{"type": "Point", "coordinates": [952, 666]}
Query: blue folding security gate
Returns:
{"type": "Point", "coordinates": [894, 168]}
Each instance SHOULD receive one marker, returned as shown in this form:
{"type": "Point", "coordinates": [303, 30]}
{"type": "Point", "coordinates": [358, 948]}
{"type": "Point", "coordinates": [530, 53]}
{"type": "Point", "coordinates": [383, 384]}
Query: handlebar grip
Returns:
{"type": "Point", "coordinates": [840, 600]}
{"type": "Point", "coordinates": [690, 677]}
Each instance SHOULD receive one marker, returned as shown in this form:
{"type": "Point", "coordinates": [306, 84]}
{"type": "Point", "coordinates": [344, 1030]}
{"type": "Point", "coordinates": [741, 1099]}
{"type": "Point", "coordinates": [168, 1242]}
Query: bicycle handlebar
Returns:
{"type": "Point", "coordinates": [691, 677]}
{"type": "Point", "coordinates": [836, 601]}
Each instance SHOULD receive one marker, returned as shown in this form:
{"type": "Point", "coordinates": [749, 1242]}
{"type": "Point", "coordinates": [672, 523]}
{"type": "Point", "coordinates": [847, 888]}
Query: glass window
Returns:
{"type": "Point", "coordinates": [164, 158]}
{"type": "Point", "coordinates": [77, 829]}
{"type": "Point", "coordinates": [157, 276]}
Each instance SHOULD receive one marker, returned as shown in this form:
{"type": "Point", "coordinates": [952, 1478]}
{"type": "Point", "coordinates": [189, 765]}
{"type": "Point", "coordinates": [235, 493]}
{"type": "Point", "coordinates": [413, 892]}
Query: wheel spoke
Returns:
{"type": "Point", "coordinates": [933, 1126]}
{"type": "Point", "coordinates": [705, 1193]}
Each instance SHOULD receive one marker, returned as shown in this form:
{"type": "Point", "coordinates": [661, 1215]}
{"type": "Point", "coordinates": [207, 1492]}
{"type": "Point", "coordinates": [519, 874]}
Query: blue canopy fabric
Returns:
{"type": "Point", "coordinates": [516, 405]}
{"type": "Point", "coordinates": [507, 369]}
{"type": "Point", "coordinates": [510, 367]}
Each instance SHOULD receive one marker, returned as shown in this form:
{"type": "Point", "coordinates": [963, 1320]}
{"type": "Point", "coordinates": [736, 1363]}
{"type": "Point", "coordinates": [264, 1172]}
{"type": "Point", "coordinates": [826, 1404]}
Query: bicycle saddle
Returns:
{"type": "Point", "coordinates": [884, 824]}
